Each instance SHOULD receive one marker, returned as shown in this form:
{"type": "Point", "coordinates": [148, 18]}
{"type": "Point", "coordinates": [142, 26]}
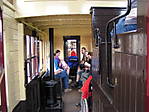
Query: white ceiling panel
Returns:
{"type": "Point", "coordinates": [67, 0]}
{"type": "Point", "coordinates": [27, 8]}
{"type": "Point", "coordinates": [46, 0]}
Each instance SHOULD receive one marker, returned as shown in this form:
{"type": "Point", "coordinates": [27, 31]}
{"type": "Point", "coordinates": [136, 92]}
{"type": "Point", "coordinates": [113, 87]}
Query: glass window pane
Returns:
{"type": "Point", "coordinates": [28, 46]}
{"type": "Point", "coordinates": [28, 72]}
{"type": "Point", "coordinates": [40, 54]}
{"type": "Point", "coordinates": [33, 69]}
{"type": "Point", "coordinates": [36, 66]}
{"type": "Point", "coordinates": [36, 45]}
{"type": "Point", "coordinates": [1, 46]}
{"type": "Point", "coordinates": [32, 47]}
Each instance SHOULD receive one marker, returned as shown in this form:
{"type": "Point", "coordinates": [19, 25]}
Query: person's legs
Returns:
{"type": "Point", "coordinates": [64, 77]}
{"type": "Point", "coordinates": [68, 71]}
{"type": "Point", "coordinates": [84, 76]}
{"type": "Point", "coordinates": [79, 75]}
{"type": "Point", "coordinates": [78, 81]}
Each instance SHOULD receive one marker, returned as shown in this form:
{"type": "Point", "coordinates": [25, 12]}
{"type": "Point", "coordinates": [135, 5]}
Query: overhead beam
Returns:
{"type": "Point", "coordinates": [75, 17]}
{"type": "Point", "coordinates": [31, 26]}
{"type": "Point", "coordinates": [42, 24]}
{"type": "Point", "coordinates": [65, 26]}
{"type": "Point", "coordinates": [55, 20]}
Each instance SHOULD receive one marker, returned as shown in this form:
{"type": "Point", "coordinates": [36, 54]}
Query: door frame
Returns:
{"type": "Point", "coordinates": [2, 72]}
{"type": "Point", "coordinates": [74, 37]}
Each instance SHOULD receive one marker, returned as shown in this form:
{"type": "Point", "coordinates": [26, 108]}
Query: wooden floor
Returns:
{"type": "Point", "coordinates": [70, 99]}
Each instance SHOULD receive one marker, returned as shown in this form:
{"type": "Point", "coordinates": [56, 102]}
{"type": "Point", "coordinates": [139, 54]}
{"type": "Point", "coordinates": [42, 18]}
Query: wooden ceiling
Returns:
{"type": "Point", "coordinates": [58, 21]}
{"type": "Point", "coordinates": [61, 21]}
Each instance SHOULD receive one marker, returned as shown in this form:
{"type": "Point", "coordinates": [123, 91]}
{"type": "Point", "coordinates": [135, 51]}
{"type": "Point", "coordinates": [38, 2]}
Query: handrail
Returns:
{"type": "Point", "coordinates": [98, 39]}
{"type": "Point", "coordinates": [108, 41]}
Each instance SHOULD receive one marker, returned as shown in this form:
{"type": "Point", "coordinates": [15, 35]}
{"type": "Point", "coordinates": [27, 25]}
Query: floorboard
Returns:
{"type": "Point", "coordinates": [70, 99]}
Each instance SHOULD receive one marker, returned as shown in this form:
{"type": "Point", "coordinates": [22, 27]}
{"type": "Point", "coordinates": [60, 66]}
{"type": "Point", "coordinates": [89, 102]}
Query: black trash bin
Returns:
{"type": "Point", "coordinates": [52, 103]}
{"type": "Point", "coordinates": [51, 94]}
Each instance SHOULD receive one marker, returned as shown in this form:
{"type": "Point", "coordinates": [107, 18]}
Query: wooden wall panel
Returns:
{"type": "Point", "coordinates": [12, 50]}
{"type": "Point", "coordinates": [130, 80]}
{"type": "Point", "coordinates": [128, 68]}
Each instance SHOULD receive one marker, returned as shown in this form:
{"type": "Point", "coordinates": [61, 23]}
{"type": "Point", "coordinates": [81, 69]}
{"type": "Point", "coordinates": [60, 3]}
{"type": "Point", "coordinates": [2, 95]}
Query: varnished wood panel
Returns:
{"type": "Point", "coordinates": [128, 71]}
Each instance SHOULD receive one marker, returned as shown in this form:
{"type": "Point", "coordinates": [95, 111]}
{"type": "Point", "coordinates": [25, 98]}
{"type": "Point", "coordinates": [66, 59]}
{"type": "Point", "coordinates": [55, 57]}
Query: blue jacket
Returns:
{"type": "Point", "coordinates": [73, 61]}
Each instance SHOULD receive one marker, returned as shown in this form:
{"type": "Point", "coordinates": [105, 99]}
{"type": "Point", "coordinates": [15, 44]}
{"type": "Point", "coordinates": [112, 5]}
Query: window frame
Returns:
{"type": "Point", "coordinates": [32, 62]}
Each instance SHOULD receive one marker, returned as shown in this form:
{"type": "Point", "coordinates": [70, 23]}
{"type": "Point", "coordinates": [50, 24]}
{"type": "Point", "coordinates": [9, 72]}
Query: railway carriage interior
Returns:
{"type": "Point", "coordinates": [74, 56]}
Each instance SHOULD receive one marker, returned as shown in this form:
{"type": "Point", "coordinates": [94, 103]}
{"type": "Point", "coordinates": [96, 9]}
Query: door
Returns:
{"type": "Point", "coordinates": [71, 43]}
{"type": "Point", "coordinates": [3, 103]}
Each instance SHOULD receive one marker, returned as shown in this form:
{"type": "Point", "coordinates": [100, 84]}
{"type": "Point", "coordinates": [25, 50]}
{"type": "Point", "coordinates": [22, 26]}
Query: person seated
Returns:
{"type": "Point", "coordinates": [81, 65]}
{"type": "Point", "coordinates": [84, 58]}
{"type": "Point", "coordinates": [84, 74]}
{"type": "Point", "coordinates": [60, 62]}
{"type": "Point", "coordinates": [56, 57]}
{"type": "Point", "coordinates": [73, 60]}
{"type": "Point", "coordinates": [73, 64]}
{"type": "Point", "coordinates": [89, 58]}
{"type": "Point", "coordinates": [65, 66]}
{"type": "Point", "coordinates": [60, 73]}
{"type": "Point", "coordinates": [87, 67]}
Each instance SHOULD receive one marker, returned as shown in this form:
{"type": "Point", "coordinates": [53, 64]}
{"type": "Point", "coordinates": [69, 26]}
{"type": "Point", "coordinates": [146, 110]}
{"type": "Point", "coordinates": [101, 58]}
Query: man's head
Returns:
{"type": "Point", "coordinates": [89, 55]}
{"type": "Point", "coordinates": [73, 53]}
{"type": "Point", "coordinates": [58, 52]}
{"type": "Point", "coordinates": [83, 50]}
{"type": "Point", "coordinates": [54, 55]}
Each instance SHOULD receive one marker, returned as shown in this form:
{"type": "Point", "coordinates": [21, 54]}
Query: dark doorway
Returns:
{"type": "Point", "coordinates": [71, 43]}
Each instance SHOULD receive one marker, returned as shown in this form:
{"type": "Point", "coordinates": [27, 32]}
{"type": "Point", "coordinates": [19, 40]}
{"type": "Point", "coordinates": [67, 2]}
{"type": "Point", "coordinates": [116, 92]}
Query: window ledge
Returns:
{"type": "Point", "coordinates": [129, 32]}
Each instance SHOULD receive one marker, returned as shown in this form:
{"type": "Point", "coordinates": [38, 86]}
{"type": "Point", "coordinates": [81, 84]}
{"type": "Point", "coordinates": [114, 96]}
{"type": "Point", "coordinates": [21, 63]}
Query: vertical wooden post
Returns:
{"type": "Point", "coordinates": [51, 36]}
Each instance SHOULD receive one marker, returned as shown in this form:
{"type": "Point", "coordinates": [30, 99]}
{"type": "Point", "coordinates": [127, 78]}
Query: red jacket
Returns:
{"type": "Point", "coordinates": [85, 88]}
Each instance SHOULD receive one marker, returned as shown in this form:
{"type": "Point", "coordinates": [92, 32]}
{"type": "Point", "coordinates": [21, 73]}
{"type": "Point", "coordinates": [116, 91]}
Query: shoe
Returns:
{"type": "Point", "coordinates": [76, 84]}
{"type": "Point", "coordinates": [70, 81]}
{"type": "Point", "coordinates": [79, 90]}
{"type": "Point", "coordinates": [79, 87]}
{"type": "Point", "coordinates": [67, 90]}
{"type": "Point", "coordinates": [78, 104]}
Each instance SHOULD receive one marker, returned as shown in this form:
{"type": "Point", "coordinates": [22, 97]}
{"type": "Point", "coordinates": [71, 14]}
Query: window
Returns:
{"type": "Point", "coordinates": [31, 58]}
{"type": "Point", "coordinates": [40, 47]}
{"type": "Point", "coordinates": [72, 44]}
